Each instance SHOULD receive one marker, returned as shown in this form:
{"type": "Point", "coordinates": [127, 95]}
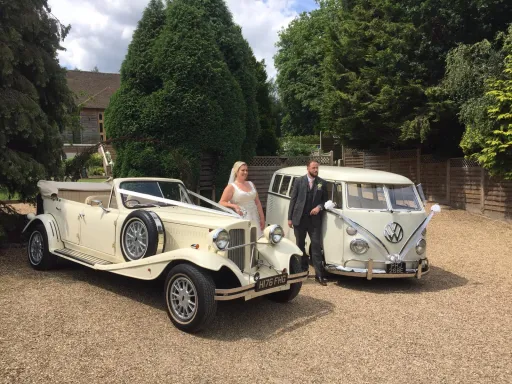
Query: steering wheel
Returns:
{"type": "Point", "coordinates": [132, 201]}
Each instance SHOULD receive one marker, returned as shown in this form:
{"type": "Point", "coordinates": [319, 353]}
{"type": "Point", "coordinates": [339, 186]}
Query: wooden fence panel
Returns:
{"type": "Point", "coordinates": [433, 178]}
{"type": "Point", "coordinates": [498, 198]}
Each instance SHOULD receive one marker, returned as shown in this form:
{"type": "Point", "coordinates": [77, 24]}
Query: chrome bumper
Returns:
{"type": "Point", "coordinates": [248, 291]}
{"type": "Point", "coordinates": [370, 272]}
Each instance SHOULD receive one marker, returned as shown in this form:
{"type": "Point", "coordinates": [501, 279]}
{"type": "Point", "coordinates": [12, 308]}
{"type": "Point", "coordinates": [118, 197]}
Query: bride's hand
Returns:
{"type": "Point", "coordinates": [237, 210]}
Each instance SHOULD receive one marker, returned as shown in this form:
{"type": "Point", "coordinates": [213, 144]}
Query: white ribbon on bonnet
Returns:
{"type": "Point", "coordinates": [371, 238]}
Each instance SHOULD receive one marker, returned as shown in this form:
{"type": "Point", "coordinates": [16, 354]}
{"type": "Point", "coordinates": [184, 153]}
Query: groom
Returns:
{"type": "Point", "coordinates": [309, 194]}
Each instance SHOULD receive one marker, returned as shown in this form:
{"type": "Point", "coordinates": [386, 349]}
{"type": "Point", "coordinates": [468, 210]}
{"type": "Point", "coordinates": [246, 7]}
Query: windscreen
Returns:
{"type": "Point", "coordinates": [163, 189]}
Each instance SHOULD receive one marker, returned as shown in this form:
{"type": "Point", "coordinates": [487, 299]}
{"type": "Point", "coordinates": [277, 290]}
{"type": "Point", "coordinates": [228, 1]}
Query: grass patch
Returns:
{"type": "Point", "coordinates": [4, 195]}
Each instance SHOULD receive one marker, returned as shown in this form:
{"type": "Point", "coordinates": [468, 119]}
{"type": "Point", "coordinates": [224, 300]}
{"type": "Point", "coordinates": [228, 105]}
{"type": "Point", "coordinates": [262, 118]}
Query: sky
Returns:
{"type": "Point", "coordinates": [102, 29]}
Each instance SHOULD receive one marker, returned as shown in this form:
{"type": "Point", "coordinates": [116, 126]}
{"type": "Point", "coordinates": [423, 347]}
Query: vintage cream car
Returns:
{"type": "Point", "coordinates": [375, 224]}
{"type": "Point", "coordinates": [148, 228]}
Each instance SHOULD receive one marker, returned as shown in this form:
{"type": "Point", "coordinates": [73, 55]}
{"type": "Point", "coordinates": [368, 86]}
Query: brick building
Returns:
{"type": "Point", "coordinates": [93, 91]}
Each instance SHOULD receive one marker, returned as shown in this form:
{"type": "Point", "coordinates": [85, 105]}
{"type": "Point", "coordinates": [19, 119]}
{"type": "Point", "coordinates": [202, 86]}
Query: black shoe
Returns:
{"type": "Point", "coordinates": [321, 281]}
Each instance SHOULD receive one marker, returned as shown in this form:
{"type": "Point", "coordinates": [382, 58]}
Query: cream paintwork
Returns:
{"type": "Point", "coordinates": [52, 229]}
{"type": "Point", "coordinates": [336, 241]}
{"type": "Point", "coordinates": [95, 231]}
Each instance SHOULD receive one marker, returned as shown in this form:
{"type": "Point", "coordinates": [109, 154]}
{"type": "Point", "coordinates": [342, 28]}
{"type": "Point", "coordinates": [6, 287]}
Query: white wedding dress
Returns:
{"type": "Point", "coordinates": [247, 201]}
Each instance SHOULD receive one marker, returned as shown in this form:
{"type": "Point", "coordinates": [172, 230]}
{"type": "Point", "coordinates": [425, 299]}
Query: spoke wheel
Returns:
{"type": "Point", "coordinates": [190, 297]}
{"type": "Point", "coordinates": [36, 248]}
{"type": "Point", "coordinates": [183, 298]}
{"type": "Point", "coordinates": [136, 239]}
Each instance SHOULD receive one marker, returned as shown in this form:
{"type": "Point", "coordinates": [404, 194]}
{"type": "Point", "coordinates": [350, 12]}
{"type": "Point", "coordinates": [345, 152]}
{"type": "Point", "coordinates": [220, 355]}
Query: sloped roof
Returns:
{"type": "Point", "coordinates": [93, 89]}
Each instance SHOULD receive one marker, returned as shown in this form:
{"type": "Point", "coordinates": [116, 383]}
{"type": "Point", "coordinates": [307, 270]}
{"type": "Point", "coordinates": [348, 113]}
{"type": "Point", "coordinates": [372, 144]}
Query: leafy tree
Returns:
{"type": "Point", "coordinates": [268, 144]}
{"type": "Point", "coordinates": [496, 156]}
{"type": "Point", "coordinates": [299, 79]}
{"type": "Point", "coordinates": [35, 101]}
{"type": "Point", "coordinates": [95, 69]}
{"type": "Point", "coordinates": [177, 90]}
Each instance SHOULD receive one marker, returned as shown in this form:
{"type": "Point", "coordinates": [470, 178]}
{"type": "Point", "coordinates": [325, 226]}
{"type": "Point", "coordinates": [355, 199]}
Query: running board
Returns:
{"type": "Point", "coordinates": [80, 257]}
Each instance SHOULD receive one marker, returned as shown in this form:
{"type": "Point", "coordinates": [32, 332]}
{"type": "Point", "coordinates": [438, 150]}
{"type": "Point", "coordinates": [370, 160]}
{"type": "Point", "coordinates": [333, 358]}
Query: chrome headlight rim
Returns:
{"type": "Point", "coordinates": [217, 237]}
{"type": "Point", "coordinates": [421, 246]}
{"type": "Point", "coordinates": [272, 234]}
{"type": "Point", "coordinates": [359, 243]}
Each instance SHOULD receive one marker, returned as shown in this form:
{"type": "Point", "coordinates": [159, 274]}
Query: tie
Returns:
{"type": "Point", "coordinates": [310, 183]}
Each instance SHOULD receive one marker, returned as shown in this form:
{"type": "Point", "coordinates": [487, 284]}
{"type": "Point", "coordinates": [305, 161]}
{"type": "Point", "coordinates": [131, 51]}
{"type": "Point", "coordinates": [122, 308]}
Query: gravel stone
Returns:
{"type": "Point", "coordinates": [454, 325]}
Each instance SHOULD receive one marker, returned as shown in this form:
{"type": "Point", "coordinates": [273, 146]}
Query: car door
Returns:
{"type": "Point", "coordinates": [98, 229]}
{"type": "Point", "coordinates": [67, 214]}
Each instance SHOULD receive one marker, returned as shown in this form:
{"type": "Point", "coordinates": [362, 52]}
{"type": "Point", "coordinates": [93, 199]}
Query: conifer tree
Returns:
{"type": "Point", "coordinates": [35, 101]}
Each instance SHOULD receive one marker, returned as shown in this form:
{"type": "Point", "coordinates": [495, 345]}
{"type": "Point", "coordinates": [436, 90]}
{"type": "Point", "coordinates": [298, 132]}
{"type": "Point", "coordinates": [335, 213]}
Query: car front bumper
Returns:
{"type": "Point", "coordinates": [249, 291]}
{"type": "Point", "coordinates": [370, 272]}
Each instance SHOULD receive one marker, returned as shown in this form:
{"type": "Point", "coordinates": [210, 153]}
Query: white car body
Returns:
{"type": "Point", "coordinates": [370, 205]}
{"type": "Point", "coordinates": [87, 223]}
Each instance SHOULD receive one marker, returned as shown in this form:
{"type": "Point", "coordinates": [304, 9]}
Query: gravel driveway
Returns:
{"type": "Point", "coordinates": [452, 326]}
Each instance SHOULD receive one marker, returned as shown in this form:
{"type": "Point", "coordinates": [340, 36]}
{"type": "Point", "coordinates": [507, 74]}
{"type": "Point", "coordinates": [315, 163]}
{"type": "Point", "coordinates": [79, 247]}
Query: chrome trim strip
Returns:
{"type": "Point", "coordinates": [161, 232]}
{"type": "Point", "coordinates": [238, 246]}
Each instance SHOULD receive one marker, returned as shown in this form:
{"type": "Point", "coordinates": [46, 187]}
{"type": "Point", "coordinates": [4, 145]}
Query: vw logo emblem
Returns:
{"type": "Point", "coordinates": [393, 233]}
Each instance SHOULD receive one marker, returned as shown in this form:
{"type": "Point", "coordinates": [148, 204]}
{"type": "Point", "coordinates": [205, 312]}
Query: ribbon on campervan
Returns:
{"type": "Point", "coordinates": [371, 238]}
{"type": "Point", "coordinates": [177, 203]}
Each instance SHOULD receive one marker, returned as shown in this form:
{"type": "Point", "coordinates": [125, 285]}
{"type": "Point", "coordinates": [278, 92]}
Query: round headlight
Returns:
{"type": "Point", "coordinates": [421, 247]}
{"type": "Point", "coordinates": [359, 246]}
{"type": "Point", "coordinates": [276, 234]}
{"type": "Point", "coordinates": [220, 239]}
{"type": "Point", "coordinates": [351, 231]}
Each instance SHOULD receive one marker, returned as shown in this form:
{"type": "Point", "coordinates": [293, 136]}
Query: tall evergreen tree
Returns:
{"type": "Point", "coordinates": [241, 63]}
{"type": "Point", "coordinates": [268, 144]}
{"type": "Point", "coordinates": [190, 101]}
{"type": "Point", "coordinates": [35, 101]}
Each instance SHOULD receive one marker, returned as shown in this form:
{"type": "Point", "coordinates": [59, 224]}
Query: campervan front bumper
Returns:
{"type": "Point", "coordinates": [254, 290]}
{"type": "Point", "coordinates": [390, 271]}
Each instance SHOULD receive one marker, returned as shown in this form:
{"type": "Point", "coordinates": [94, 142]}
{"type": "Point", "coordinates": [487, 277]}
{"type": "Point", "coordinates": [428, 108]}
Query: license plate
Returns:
{"type": "Point", "coordinates": [271, 282]}
{"type": "Point", "coordinates": [395, 268]}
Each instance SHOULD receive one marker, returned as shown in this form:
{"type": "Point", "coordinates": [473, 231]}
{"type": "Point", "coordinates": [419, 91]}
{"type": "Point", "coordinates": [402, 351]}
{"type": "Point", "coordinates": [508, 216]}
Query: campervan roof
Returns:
{"type": "Point", "coordinates": [351, 175]}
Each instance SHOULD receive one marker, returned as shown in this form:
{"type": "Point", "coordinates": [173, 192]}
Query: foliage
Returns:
{"type": "Point", "coordinates": [496, 156]}
{"type": "Point", "coordinates": [371, 71]}
{"type": "Point", "coordinates": [299, 58]}
{"type": "Point", "coordinates": [35, 102]}
{"type": "Point", "coordinates": [299, 145]}
{"type": "Point", "coordinates": [96, 160]}
{"type": "Point", "coordinates": [177, 90]}
{"type": "Point", "coordinates": [268, 143]}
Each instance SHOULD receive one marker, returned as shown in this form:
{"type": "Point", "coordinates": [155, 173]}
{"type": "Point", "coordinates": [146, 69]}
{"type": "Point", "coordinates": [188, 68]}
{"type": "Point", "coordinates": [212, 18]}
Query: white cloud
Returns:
{"type": "Point", "coordinates": [102, 29]}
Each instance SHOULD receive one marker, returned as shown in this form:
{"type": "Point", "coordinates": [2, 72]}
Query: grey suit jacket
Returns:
{"type": "Point", "coordinates": [298, 199]}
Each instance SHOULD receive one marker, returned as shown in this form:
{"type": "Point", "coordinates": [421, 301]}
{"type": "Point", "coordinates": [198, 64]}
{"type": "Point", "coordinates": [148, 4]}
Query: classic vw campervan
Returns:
{"type": "Point", "coordinates": [375, 224]}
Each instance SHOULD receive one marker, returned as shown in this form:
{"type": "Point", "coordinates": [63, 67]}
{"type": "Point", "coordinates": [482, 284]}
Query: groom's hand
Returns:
{"type": "Point", "coordinates": [315, 211]}
{"type": "Point", "coordinates": [290, 224]}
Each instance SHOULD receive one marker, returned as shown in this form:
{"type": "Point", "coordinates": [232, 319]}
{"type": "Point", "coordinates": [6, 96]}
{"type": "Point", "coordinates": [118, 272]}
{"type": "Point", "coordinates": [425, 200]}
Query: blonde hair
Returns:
{"type": "Point", "coordinates": [237, 166]}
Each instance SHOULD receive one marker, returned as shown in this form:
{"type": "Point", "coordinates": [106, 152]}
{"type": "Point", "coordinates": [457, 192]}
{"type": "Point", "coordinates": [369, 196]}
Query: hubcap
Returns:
{"type": "Point", "coordinates": [136, 240]}
{"type": "Point", "coordinates": [183, 298]}
{"type": "Point", "coordinates": [36, 248]}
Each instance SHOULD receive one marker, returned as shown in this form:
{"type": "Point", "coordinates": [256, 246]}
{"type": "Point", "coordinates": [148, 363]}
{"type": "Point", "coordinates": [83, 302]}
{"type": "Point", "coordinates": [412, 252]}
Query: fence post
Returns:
{"type": "Point", "coordinates": [331, 158]}
{"type": "Point", "coordinates": [482, 190]}
{"type": "Point", "coordinates": [448, 182]}
{"type": "Point", "coordinates": [418, 165]}
{"type": "Point", "coordinates": [364, 160]}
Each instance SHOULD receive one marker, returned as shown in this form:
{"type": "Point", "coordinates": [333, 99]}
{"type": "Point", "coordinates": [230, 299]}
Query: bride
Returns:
{"type": "Point", "coordinates": [241, 196]}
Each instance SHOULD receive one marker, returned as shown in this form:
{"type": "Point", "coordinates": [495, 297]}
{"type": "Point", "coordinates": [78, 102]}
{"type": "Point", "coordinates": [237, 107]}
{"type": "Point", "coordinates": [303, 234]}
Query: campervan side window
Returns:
{"type": "Point", "coordinates": [335, 193]}
{"type": "Point", "coordinates": [284, 185]}
{"type": "Point", "coordinates": [292, 184]}
{"type": "Point", "coordinates": [277, 181]}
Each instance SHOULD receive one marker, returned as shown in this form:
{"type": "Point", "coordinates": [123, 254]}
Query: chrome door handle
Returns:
{"type": "Point", "coordinates": [81, 215]}
{"type": "Point", "coordinates": [58, 208]}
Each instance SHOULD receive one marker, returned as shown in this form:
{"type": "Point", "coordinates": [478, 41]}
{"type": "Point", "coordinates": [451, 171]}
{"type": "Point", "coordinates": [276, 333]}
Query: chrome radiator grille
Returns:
{"type": "Point", "coordinates": [237, 256]}
{"type": "Point", "coordinates": [254, 251]}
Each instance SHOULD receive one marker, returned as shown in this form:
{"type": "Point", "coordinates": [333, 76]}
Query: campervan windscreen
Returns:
{"type": "Point", "coordinates": [366, 196]}
{"type": "Point", "coordinates": [403, 197]}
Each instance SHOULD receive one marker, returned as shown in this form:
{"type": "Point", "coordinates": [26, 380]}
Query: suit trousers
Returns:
{"type": "Point", "coordinates": [315, 234]}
